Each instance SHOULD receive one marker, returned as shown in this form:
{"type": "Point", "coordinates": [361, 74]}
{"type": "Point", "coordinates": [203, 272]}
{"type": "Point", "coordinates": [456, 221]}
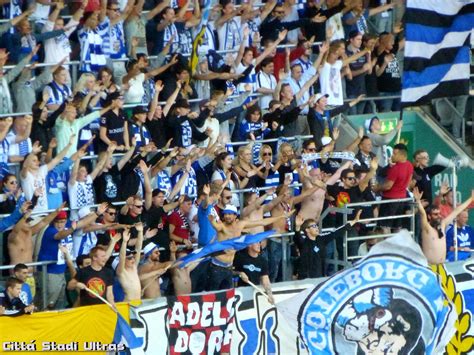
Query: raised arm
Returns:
{"type": "Point", "coordinates": [374, 164]}
{"type": "Point", "coordinates": [306, 86]}
{"type": "Point", "coordinates": [432, 245]}
{"type": "Point", "coordinates": [123, 251]}
{"type": "Point", "coordinates": [269, 49]}
{"type": "Point", "coordinates": [58, 158]}
{"type": "Point", "coordinates": [448, 219]}
{"type": "Point", "coordinates": [139, 243]}
{"type": "Point", "coordinates": [354, 57]}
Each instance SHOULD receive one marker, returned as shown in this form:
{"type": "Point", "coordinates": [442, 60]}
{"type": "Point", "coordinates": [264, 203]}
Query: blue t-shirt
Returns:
{"type": "Point", "coordinates": [56, 184]}
{"type": "Point", "coordinates": [465, 237]}
{"type": "Point", "coordinates": [49, 250]}
{"type": "Point", "coordinates": [206, 231]}
{"type": "Point", "coordinates": [25, 295]}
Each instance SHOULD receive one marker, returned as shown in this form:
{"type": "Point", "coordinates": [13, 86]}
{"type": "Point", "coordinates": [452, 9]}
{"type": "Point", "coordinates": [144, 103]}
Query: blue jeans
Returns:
{"type": "Point", "coordinates": [275, 256]}
{"type": "Point", "coordinates": [387, 105]}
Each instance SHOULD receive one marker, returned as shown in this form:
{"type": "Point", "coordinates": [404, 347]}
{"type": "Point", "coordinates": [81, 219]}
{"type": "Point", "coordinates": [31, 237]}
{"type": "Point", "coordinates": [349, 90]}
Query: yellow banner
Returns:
{"type": "Point", "coordinates": [77, 330]}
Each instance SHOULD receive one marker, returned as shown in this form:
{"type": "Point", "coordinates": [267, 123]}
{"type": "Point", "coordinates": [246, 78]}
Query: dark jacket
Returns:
{"type": "Point", "coordinates": [316, 122]}
{"type": "Point", "coordinates": [313, 252]}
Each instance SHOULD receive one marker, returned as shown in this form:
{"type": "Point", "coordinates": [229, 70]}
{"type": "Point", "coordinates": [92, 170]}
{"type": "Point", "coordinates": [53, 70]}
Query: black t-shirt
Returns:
{"type": "Point", "coordinates": [107, 186]}
{"type": "Point", "coordinates": [158, 131]}
{"type": "Point", "coordinates": [356, 86]}
{"type": "Point", "coordinates": [156, 218]}
{"type": "Point", "coordinates": [344, 196]}
{"type": "Point", "coordinates": [254, 268]}
{"type": "Point", "coordinates": [390, 80]}
{"type": "Point", "coordinates": [115, 125]}
{"type": "Point", "coordinates": [97, 281]}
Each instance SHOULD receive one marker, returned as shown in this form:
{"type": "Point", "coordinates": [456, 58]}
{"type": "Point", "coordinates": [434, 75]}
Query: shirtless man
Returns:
{"type": "Point", "coordinates": [181, 277]}
{"type": "Point", "coordinates": [150, 272]}
{"type": "Point", "coordinates": [20, 240]}
{"type": "Point", "coordinates": [220, 273]}
{"type": "Point", "coordinates": [433, 235]}
{"type": "Point", "coordinates": [127, 270]}
{"type": "Point", "coordinates": [283, 225]}
{"type": "Point", "coordinates": [255, 209]}
{"type": "Point", "coordinates": [312, 205]}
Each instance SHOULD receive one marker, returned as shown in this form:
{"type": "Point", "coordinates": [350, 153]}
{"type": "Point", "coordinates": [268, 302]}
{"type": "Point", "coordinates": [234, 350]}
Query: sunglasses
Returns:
{"type": "Point", "coordinates": [267, 154]}
{"type": "Point", "coordinates": [112, 213]}
{"type": "Point", "coordinates": [138, 206]}
{"type": "Point", "coordinates": [351, 178]}
{"type": "Point", "coordinates": [311, 150]}
{"type": "Point", "coordinates": [114, 9]}
{"type": "Point", "coordinates": [227, 197]}
{"type": "Point", "coordinates": [13, 182]}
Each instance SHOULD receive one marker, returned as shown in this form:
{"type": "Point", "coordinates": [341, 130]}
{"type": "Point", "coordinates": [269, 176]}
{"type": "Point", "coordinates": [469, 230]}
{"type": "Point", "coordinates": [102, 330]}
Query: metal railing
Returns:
{"type": "Point", "coordinates": [346, 259]}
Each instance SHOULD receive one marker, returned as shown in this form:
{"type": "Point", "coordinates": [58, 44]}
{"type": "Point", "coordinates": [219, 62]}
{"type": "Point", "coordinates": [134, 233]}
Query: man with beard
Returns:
{"type": "Point", "coordinates": [220, 273]}
{"type": "Point", "coordinates": [151, 270]}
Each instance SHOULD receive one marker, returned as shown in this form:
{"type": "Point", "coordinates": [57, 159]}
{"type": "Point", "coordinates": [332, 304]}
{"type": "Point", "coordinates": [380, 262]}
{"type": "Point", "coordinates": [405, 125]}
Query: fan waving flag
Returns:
{"type": "Point", "coordinates": [238, 243]}
{"type": "Point", "coordinates": [437, 49]}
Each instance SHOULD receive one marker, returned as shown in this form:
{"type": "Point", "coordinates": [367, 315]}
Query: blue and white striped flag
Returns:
{"type": "Point", "coordinates": [125, 335]}
{"type": "Point", "coordinates": [437, 48]}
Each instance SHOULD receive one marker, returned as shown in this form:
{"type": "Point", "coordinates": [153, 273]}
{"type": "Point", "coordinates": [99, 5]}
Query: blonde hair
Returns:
{"type": "Point", "coordinates": [241, 150]}
{"type": "Point", "coordinates": [81, 83]}
{"type": "Point", "coordinates": [264, 146]}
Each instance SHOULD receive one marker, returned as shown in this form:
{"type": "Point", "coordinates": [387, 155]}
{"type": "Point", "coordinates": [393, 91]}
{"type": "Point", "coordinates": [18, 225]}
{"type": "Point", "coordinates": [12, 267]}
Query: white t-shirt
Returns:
{"type": "Point", "coordinates": [230, 34]}
{"type": "Point", "coordinates": [33, 181]}
{"type": "Point", "coordinates": [331, 83]}
{"type": "Point", "coordinates": [266, 81]}
{"type": "Point", "coordinates": [296, 86]}
{"type": "Point", "coordinates": [136, 91]}
{"type": "Point", "coordinates": [58, 47]}
{"type": "Point", "coordinates": [81, 194]}
{"type": "Point", "coordinates": [335, 22]}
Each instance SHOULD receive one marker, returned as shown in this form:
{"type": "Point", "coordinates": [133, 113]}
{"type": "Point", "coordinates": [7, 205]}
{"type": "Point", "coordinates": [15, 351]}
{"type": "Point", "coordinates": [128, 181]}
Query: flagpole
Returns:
{"type": "Point", "coordinates": [258, 290]}
{"type": "Point", "coordinates": [400, 131]}
{"type": "Point", "coordinates": [101, 298]}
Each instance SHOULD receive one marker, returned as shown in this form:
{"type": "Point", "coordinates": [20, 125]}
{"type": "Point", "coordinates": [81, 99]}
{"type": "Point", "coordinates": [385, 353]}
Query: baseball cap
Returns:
{"type": "Point", "coordinates": [368, 123]}
{"type": "Point", "coordinates": [319, 96]}
{"type": "Point", "coordinates": [148, 249]}
{"type": "Point", "coordinates": [326, 140]}
{"type": "Point", "coordinates": [61, 215]}
{"type": "Point", "coordinates": [230, 209]}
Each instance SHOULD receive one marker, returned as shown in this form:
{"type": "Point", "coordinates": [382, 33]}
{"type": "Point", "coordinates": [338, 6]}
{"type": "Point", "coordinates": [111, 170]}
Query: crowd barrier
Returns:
{"type": "Point", "coordinates": [258, 327]}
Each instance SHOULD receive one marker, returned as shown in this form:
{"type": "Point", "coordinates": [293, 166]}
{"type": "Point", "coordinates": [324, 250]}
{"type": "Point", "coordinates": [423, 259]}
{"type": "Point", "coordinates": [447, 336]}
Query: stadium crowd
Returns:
{"type": "Point", "coordinates": [165, 129]}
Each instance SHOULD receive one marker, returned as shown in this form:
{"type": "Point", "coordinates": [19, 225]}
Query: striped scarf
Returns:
{"type": "Point", "coordinates": [92, 51]}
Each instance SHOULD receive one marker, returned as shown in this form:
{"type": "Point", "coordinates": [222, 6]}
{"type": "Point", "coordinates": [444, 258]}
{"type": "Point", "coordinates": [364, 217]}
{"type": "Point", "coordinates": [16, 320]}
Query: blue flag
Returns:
{"type": "Point", "coordinates": [234, 243]}
{"type": "Point", "coordinates": [125, 335]}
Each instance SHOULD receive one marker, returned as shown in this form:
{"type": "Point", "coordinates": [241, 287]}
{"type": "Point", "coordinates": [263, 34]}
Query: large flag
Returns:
{"type": "Point", "coordinates": [124, 334]}
{"type": "Point", "coordinates": [388, 303]}
{"type": "Point", "coordinates": [437, 49]}
{"type": "Point", "coordinates": [234, 243]}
